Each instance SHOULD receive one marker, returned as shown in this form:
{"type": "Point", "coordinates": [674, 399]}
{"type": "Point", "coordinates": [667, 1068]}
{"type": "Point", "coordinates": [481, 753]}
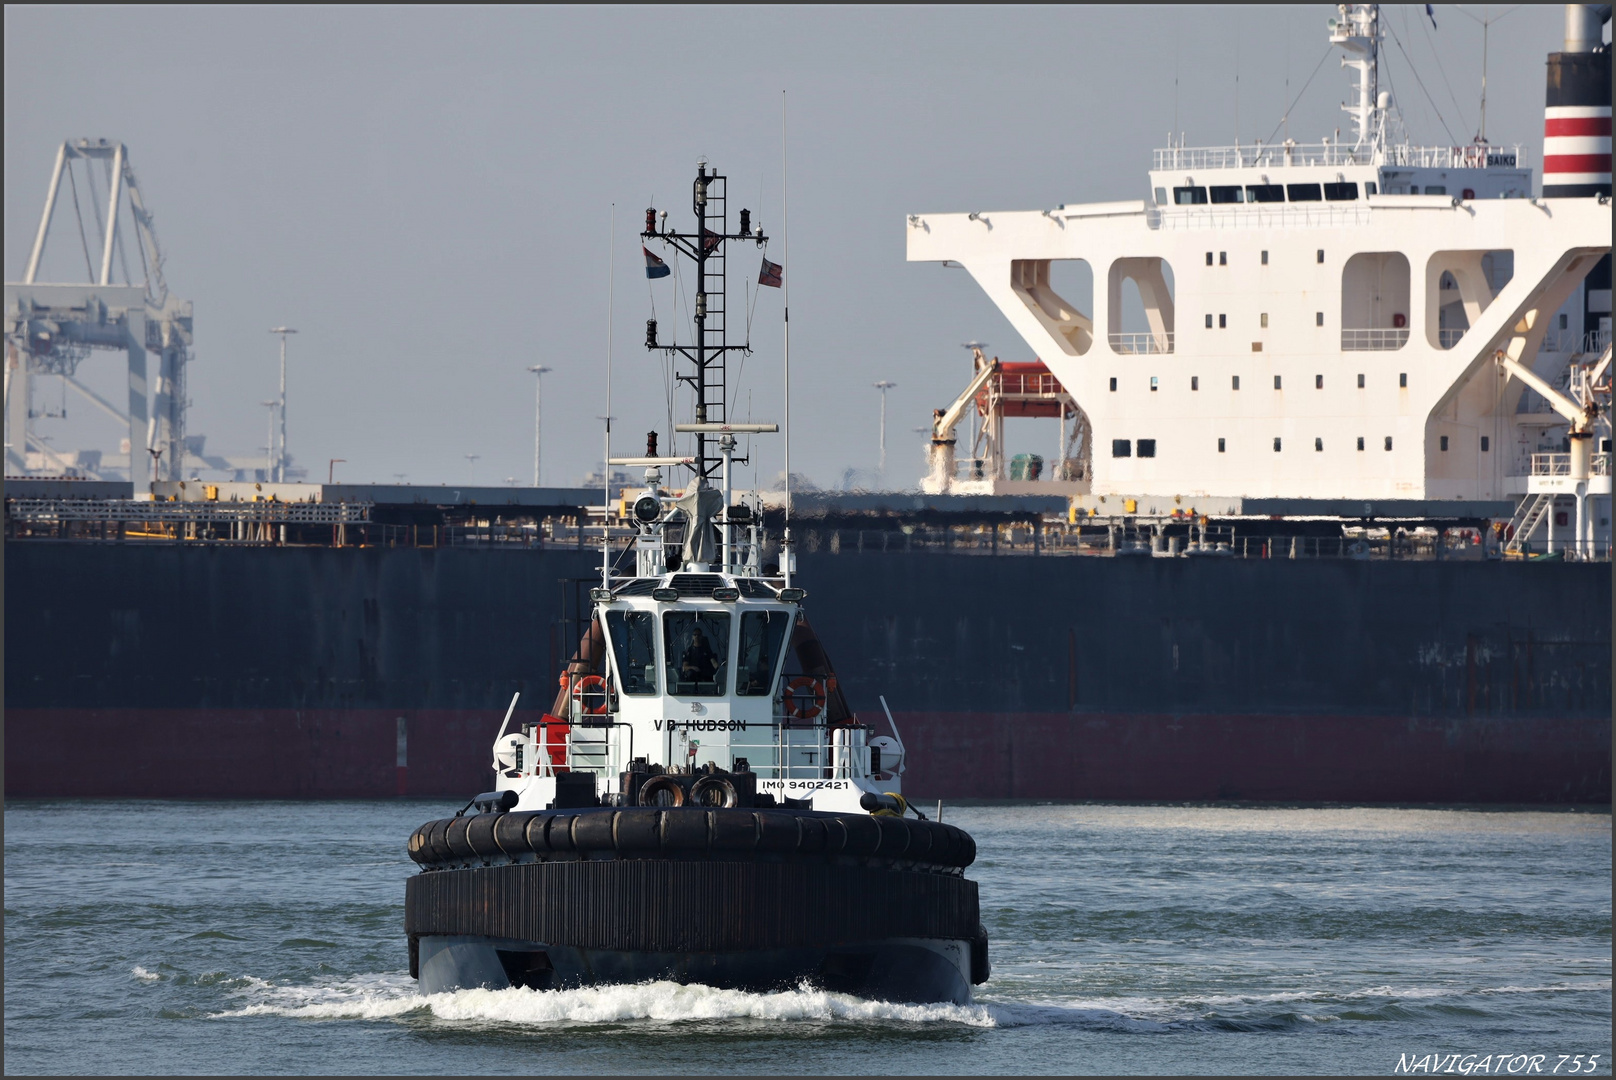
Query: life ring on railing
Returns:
{"type": "Point", "coordinates": [805, 697]}
{"type": "Point", "coordinates": [591, 685]}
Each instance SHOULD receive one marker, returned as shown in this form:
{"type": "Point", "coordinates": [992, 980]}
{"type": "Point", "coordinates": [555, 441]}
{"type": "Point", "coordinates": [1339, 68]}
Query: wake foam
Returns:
{"type": "Point", "coordinates": [383, 997]}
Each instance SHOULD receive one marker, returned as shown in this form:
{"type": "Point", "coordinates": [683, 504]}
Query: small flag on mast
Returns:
{"type": "Point", "coordinates": [770, 274]}
{"type": "Point", "coordinates": [654, 267]}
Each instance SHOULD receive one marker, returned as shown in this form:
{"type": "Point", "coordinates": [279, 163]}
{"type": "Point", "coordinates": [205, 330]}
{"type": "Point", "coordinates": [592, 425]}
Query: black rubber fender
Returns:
{"type": "Point", "coordinates": [480, 836]}
{"type": "Point", "coordinates": [981, 969]}
{"type": "Point", "coordinates": [436, 846]}
{"type": "Point", "coordinates": [894, 836]}
{"type": "Point", "coordinates": [637, 830]}
{"type": "Point", "coordinates": [510, 833]}
{"type": "Point", "coordinates": [454, 837]}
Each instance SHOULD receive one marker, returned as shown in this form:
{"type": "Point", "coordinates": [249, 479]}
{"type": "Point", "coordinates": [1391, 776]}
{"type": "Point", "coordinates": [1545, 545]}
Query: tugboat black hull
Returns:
{"type": "Point", "coordinates": [745, 899]}
{"type": "Point", "coordinates": [913, 970]}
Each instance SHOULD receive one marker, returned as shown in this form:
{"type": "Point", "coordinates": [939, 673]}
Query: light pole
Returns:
{"type": "Point", "coordinates": [280, 457]}
{"type": "Point", "coordinates": [269, 451]}
{"type": "Point", "coordinates": [539, 371]}
{"type": "Point", "coordinates": [884, 385]}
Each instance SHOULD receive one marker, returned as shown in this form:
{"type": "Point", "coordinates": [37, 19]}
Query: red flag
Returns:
{"type": "Point", "coordinates": [770, 274]}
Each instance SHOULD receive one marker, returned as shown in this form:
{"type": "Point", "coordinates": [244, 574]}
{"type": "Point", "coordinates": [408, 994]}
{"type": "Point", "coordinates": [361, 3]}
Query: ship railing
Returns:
{"type": "Point", "coordinates": [800, 751]}
{"type": "Point", "coordinates": [1260, 216]}
{"type": "Point", "coordinates": [1372, 339]}
{"type": "Point", "coordinates": [1449, 336]}
{"type": "Point", "coordinates": [138, 510]}
{"type": "Point", "coordinates": [1551, 464]}
{"type": "Point", "coordinates": [1600, 465]}
{"type": "Point", "coordinates": [1141, 344]}
{"type": "Point", "coordinates": [1282, 155]}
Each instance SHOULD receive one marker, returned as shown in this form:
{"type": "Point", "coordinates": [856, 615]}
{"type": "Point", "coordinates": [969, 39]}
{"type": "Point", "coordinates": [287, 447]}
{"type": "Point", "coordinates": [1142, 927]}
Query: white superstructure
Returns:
{"type": "Point", "coordinates": [1357, 318]}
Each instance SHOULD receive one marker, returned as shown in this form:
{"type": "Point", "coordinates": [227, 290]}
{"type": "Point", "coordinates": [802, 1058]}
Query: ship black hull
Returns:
{"type": "Point", "coordinates": [903, 971]}
{"type": "Point", "coordinates": [762, 900]}
{"type": "Point", "coordinates": [322, 673]}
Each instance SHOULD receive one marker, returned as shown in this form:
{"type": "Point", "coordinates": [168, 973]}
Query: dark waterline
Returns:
{"type": "Point", "coordinates": [158, 937]}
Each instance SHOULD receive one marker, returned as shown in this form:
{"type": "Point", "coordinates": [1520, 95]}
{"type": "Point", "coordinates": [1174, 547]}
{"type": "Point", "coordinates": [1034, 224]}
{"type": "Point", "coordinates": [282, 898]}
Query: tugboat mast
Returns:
{"type": "Point", "coordinates": [708, 353]}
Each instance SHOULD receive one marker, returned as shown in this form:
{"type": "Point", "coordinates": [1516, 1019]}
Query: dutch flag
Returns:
{"type": "Point", "coordinates": [654, 267]}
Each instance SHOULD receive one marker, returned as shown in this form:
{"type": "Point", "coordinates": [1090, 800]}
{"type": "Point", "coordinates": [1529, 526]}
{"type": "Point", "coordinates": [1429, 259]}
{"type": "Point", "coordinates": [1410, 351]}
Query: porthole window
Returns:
{"type": "Point", "coordinates": [1195, 382]}
{"type": "Point", "coordinates": [1318, 382]}
{"type": "Point", "coordinates": [1264, 320]}
{"type": "Point", "coordinates": [1209, 322]}
{"type": "Point", "coordinates": [1223, 322]}
{"type": "Point", "coordinates": [1444, 441]}
{"type": "Point", "coordinates": [1220, 446]}
{"type": "Point", "coordinates": [1360, 380]}
{"type": "Point", "coordinates": [1113, 384]}
{"type": "Point", "coordinates": [1153, 386]}
{"type": "Point", "coordinates": [1121, 448]}
{"type": "Point", "coordinates": [1484, 444]}
{"type": "Point", "coordinates": [1388, 442]}
{"type": "Point", "coordinates": [1223, 258]}
{"type": "Point", "coordinates": [1360, 442]}
{"type": "Point", "coordinates": [1318, 444]}
{"type": "Point", "coordinates": [1147, 447]}
{"type": "Point", "coordinates": [1318, 318]}
{"type": "Point", "coordinates": [1265, 258]}
{"type": "Point", "coordinates": [1277, 385]}
{"type": "Point", "coordinates": [1402, 380]}
{"type": "Point", "coordinates": [1276, 444]}
{"type": "Point", "coordinates": [1236, 382]}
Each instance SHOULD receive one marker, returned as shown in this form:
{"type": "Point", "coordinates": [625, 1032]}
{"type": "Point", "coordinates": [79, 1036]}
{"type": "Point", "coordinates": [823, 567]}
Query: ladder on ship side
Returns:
{"type": "Point", "coordinates": [1528, 516]}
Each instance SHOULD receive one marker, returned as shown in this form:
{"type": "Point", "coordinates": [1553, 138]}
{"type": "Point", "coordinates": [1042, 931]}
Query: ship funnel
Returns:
{"type": "Point", "coordinates": [1576, 130]}
{"type": "Point", "coordinates": [1583, 22]}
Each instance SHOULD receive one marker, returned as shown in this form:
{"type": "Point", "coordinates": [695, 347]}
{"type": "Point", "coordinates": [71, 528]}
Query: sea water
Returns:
{"type": "Point", "coordinates": [180, 937]}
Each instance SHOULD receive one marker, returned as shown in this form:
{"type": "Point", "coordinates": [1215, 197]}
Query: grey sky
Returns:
{"type": "Point", "coordinates": [424, 192]}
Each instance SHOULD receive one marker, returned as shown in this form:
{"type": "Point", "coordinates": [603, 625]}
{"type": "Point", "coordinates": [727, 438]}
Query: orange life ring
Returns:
{"type": "Point", "coordinates": [591, 684]}
{"type": "Point", "coordinates": [805, 697]}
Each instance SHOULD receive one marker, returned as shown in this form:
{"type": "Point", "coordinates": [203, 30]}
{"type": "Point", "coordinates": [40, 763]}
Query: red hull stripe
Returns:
{"type": "Point", "coordinates": [1576, 125]}
{"type": "Point", "coordinates": [1576, 163]}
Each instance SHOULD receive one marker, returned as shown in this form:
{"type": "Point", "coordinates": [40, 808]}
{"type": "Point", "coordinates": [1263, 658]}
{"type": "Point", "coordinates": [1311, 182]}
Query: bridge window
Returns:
{"type": "Point", "coordinates": [1264, 193]}
{"type": "Point", "coordinates": [1374, 301]}
{"type": "Point", "coordinates": [1121, 448]}
{"type": "Point", "coordinates": [1140, 310]}
{"type": "Point", "coordinates": [1341, 192]}
{"type": "Point", "coordinates": [1147, 447]}
{"type": "Point", "coordinates": [1189, 196]}
{"type": "Point", "coordinates": [1044, 285]}
{"type": "Point", "coordinates": [1231, 194]}
{"type": "Point", "coordinates": [695, 646]}
{"type": "Point", "coordinates": [1303, 193]}
{"type": "Point", "coordinates": [762, 635]}
{"type": "Point", "coordinates": [633, 637]}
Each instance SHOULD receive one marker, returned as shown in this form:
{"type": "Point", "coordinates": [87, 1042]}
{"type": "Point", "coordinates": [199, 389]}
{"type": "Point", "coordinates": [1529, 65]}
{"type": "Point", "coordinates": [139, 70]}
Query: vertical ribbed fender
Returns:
{"type": "Point", "coordinates": [863, 835]}
{"type": "Point", "coordinates": [454, 838]}
{"type": "Point", "coordinates": [811, 838]}
{"type": "Point", "coordinates": [510, 833]}
{"type": "Point", "coordinates": [732, 830]}
{"type": "Point", "coordinates": [920, 840]}
{"type": "Point", "coordinates": [436, 846]}
{"type": "Point", "coordinates": [593, 832]}
{"type": "Point", "coordinates": [894, 836]}
{"type": "Point", "coordinates": [558, 835]}
{"type": "Point", "coordinates": [480, 835]}
{"type": "Point", "coordinates": [684, 829]}
{"type": "Point", "coordinates": [778, 832]}
{"type": "Point", "coordinates": [637, 830]}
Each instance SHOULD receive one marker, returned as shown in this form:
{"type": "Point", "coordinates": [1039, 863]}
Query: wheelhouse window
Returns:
{"type": "Point", "coordinates": [1189, 196]}
{"type": "Point", "coordinates": [1303, 193]}
{"type": "Point", "coordinates": [633, 638]}
{"type": "Point", "coordinates": [1260, 193]}
{"type": "Point", "coordinates": [695, 645]}
{"type": "Point", "coordinates": [1231, 194]}
{"type": "Point", "coordinates": [1341, 192]}
{"type": "Point", "coordinates": [763, 633]}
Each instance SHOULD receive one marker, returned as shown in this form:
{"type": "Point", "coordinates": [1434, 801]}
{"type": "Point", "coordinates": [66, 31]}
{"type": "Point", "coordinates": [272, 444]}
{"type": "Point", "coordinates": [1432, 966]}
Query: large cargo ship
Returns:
{"type": "Point", "coordinates": [326, 672]}
{"type": "Point", "coordinates": [1308, 565]}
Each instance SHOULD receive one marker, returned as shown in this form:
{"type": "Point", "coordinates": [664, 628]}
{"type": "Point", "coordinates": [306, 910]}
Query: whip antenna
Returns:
{"type": "Point", "coordinates": [785, 289]}
{"type": "Point", "coordinates": [606, 461]}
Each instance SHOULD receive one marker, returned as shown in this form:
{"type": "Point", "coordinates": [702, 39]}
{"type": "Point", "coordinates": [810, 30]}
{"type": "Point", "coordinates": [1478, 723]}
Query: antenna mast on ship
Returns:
{"type": "Point", "coordinates": [708, 353]}
{"type": "Point", "coordinates": [1357, 31]}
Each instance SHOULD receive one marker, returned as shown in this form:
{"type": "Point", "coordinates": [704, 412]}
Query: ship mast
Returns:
{"type": "Point", "coordinates": [709, 352]}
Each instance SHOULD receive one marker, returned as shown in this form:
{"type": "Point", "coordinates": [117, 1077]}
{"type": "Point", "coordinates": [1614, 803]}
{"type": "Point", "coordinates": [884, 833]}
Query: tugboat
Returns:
{"type": "Point", "coordinates": [699, 804]}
